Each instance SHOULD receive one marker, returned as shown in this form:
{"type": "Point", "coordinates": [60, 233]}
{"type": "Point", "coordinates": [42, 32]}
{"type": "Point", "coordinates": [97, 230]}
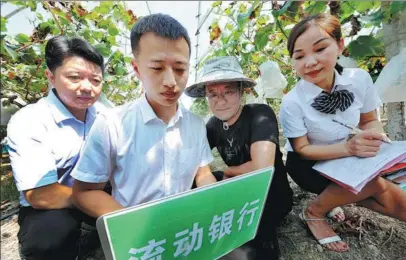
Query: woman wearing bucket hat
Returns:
{"type": "Point", "coordinates": [247, 139]}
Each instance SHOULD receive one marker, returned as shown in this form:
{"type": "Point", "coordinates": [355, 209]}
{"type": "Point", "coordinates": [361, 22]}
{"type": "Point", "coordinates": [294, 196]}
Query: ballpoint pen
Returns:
{"type": "Point", "coordinates": [356, 130]}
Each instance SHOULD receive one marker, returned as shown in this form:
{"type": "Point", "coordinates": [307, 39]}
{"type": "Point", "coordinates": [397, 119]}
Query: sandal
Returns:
{"type": "Point", "coordinates": [322, 241]}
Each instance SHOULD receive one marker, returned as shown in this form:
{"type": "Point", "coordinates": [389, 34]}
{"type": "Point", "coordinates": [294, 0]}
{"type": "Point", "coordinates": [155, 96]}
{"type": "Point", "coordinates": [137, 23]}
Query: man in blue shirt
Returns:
{"type": "Point", "coordinates": [45, 140]}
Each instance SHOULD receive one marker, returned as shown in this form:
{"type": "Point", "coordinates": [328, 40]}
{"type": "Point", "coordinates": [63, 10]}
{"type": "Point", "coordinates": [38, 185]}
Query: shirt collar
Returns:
{"type": "Point", "coordinates": [60, 112]}
{"type": "Point", "coordinates": [311, 90]}
{"type": "Point", "coordinates": [148, 113]}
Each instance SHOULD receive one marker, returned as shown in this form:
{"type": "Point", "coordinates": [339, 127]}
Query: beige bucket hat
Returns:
{"type": "Point", "coordinates": [217, 70]}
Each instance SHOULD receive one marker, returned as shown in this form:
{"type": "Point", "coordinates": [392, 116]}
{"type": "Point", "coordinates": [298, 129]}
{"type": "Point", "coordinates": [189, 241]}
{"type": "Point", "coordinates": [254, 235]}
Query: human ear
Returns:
{"type": "Point", "coordinates": [50, 76]}
{"type": "Point", "coordinates": [135, 67]}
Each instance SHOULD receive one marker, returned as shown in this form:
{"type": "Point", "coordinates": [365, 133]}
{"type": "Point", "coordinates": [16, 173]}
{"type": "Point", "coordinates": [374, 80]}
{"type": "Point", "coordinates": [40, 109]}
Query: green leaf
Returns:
{"type": "Point", "coordinates": [262, 20]}
{"type": "Point", "coordinates": [285, 7]}
{"type": "Point", "coordinates": [119, 14]}
{"type": "Point", "coordinates": [346, 10]}
{"type": "Point", "coordinates": [34, 86]}
{"type": "Point", "coordinates": [127, 59]}
{"type": "Point", "coordinates": [375, 18]}
{"type": "Point", "coordinates": [396, 7]}
{"type": "Point", "coordinates": [22, 38]}
{"type": "Point", "coordinates": [225, 39]}
{"type": "Point", "coordinates": [87, 35]}
{"type": "Point", "coordinates": [117, 55]}
{"type": "Point", "coordinates": [55, 30]}
{"type": "Point", "coordinates": [3, 24]}
{"type": "Point", "coordinates": [200, 107]}
{"type": "Point", "coordinates": [216, 3]}
{"type": "Point", "coordinates": [13, 54]}
{"type": "Point", "coordinates": [103, 49]}
{"type": "Point", "coordinates": [120, 69]}
{"type": "Point", "coordinates": [113, 31]}
{"type": "Point", "coordinates": [44, 25]}
{"type": "Point", "coordinates": [229, 26]}
{"type": "Point", "coordinates": [105, 7]}
{"type": "Point", "coordinates": [83, 22]}
{"type": "Point", "coordinates": [105, 24]}
{"type": "Point", "coordinates": [243, 18]}
{"type": "Point", "coordinates": [362, 6]}
{"type": "Point", "coordinates": [39, 16]}
{"type": "Point", "coordinates": [63, 20]}
{"type": "Point", "coordinates": [255, 57]}
{"type": "Point", "coordinates": [32, 5]}
{"type": "Point", "coordinates": [261, 37]}
{"type": "Point", "coordinates": [98, 35]}
{"type": "Point", "coordinates": [365, 46]}
{"type": "Point", "coordinates": [317, 7]}
{"type": "Point", "coordinates": [112, 40]}
{"type": "Point", "coordinates": [2, 48]}
{"type": "Point", "coordinates": [242, 8]}
{"type": "Point", "coordinates": [228, 11]}
{"type": "Point", "coordinates": [293, 9]}
{"type": "Point", "coordinates": [346, 20]}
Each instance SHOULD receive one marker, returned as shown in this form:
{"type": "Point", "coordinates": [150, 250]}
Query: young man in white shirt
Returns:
{"type": "Point", "coordinates": [150, 148]}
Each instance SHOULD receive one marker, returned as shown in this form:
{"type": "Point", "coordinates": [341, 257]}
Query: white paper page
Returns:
{"type": "Point", "coordinates": [354, 170]}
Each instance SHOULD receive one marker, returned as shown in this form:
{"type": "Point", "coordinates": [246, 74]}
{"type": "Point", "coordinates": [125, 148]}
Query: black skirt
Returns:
{"type": "Point", "coordinates": [302, 172]}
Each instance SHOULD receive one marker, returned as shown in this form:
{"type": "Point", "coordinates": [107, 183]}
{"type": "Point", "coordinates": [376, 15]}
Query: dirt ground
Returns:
{"type": "Point", "coordinates": [370, 235]}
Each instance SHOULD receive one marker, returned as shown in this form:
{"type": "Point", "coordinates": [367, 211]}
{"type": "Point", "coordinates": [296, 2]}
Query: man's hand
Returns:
{"type": "Point", "coordinates": [91, 199]}
{"type": "Point", "coordinates": [227, 173]}
{"type": "Point", "coordinates": [204, 176]}
{"type": "Point", "coordinates": [262, 155]}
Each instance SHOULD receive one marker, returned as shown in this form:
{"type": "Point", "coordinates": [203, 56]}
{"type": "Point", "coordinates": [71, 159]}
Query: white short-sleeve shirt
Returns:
{"type": "Point", "coordinates": [44, 142]}
{"type": "Point", "coordinates": [143, 157]}
{"type": "Point", "coordinates": [299, 118]}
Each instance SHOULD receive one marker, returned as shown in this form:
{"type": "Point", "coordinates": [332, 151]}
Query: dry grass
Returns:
{"type": "Point", "coordinates": [8, 190]}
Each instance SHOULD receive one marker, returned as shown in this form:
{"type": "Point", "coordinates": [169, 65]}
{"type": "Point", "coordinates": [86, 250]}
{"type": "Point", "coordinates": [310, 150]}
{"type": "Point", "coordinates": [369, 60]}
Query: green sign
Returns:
{"type": "Point", "coordinates": [204, 223]}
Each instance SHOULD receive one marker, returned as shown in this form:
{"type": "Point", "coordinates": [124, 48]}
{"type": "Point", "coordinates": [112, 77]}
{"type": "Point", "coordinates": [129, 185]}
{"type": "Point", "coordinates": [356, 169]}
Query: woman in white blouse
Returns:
{"type": "Point", "coordinates": [326, 92]}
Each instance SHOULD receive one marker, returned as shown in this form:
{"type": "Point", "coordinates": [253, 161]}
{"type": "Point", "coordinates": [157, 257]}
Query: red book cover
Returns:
{"type": "Point", "coordinates": [394, 168]}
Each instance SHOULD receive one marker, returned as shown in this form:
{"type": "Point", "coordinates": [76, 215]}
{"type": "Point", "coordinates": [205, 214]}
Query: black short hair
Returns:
{"type": "Point", "coordinates": [61, 47]}
{"type": "Point", "coordinates": [162, 25]}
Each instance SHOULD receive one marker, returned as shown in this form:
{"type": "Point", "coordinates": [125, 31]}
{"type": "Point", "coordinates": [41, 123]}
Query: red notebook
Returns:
{"type": "Point", "coordinates": [395, 168]}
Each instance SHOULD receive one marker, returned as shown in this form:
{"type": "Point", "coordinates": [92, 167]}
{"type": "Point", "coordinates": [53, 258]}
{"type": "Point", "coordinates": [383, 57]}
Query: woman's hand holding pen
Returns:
{"type": "Point", "coordinates": [365, 143]}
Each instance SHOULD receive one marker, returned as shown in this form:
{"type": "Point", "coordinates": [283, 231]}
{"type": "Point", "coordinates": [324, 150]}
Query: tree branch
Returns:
{"type": "Point", "coordinates": [111, 92]}
{"type": "Point", "coordinates": [285, 65]}
{"type": "Point", "coordinates": [16, 11]}
{"type": "Point", "coordinates": [15, 90]}
{"type": "Point", "coordinates": [288, 18]}
{"type": "Point", "coordinates": [28, 45]}
{"type": "Point", "coordinates": [53, 15]}
{"type": "Point", "coordinates": [280, 27]}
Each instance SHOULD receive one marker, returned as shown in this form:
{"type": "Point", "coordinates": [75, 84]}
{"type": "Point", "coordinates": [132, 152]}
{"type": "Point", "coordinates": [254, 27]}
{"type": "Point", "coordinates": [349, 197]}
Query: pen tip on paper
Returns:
{"type": "Point", "coordinates": [386, 139]}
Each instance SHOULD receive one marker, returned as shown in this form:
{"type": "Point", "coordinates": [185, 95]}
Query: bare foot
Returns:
{"type": "Point", "coordinates": [337, 214]}
{"type": "Point", "coordinates": [321, 230]}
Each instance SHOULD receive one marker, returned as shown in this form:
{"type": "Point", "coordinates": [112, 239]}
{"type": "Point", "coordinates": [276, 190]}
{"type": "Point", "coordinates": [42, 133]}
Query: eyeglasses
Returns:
{"type": "Point", "coordinates": [226, 95]}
